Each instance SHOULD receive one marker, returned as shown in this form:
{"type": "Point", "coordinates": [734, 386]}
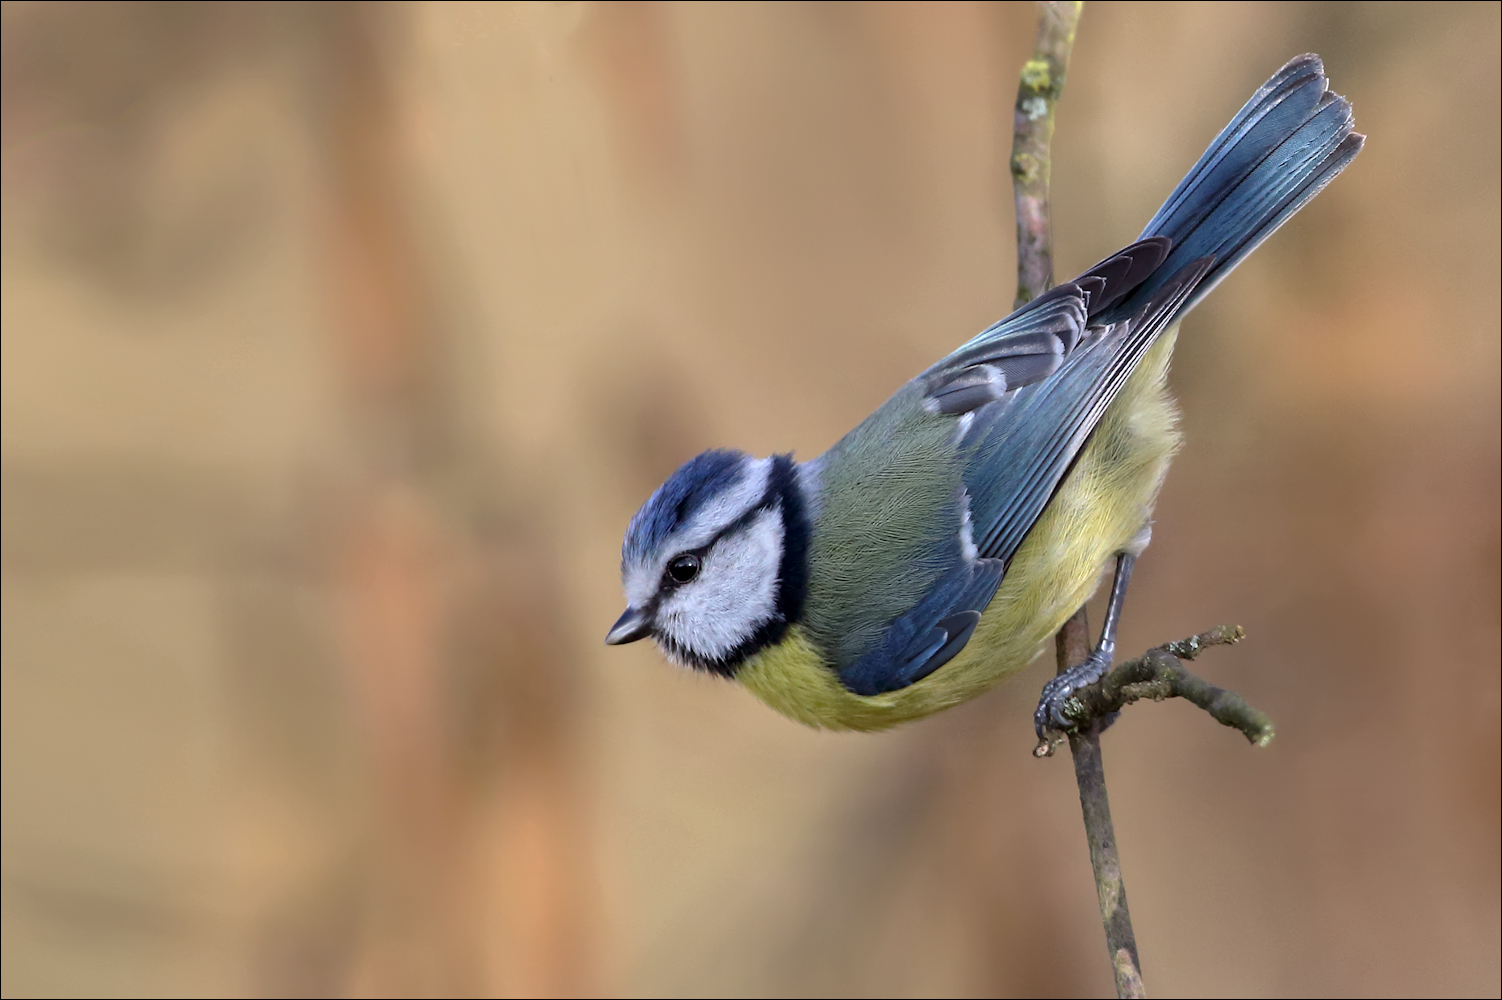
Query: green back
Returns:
{"type": "Point", "coordinates": [887, 501]}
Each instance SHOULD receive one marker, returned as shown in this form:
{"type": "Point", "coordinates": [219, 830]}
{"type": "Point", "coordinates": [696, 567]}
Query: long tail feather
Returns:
{"type": "Point", "coordinates": [1280, 150]}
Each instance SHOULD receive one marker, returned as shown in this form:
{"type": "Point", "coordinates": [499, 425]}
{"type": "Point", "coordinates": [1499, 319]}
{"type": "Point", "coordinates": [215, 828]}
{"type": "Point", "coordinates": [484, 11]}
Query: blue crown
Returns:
{"type": "Point", "coordinates": [696, 482]}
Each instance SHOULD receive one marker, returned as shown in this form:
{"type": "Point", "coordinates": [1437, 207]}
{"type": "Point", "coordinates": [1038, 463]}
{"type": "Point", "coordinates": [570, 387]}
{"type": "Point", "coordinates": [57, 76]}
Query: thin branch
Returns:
{"type": "Point", "coordinates": [1121, 942]}
{"type": "Point", "coordinates": [1073, 648]}
{"type": "Point", "coordinates": [1158, 674]}
{"type": "Point", "coordinates": [1038, 92]}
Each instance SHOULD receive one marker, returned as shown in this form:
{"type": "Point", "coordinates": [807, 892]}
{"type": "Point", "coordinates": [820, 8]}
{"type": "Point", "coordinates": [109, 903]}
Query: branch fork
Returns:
{"type": "Point", "coordinates": [1157, 675]}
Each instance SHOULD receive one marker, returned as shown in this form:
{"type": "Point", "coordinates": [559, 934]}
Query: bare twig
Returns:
{"type": "Point", "coordinates": [1073, 646]}
{"type": "Point", "coordinates": [1038, 91]}
{"type": "Point", "coordinates": [1032, 132]}
{"type": "Point", "coordinates": [1121, 942]}
{"type": "Point", "coordinates": [1157, 674]}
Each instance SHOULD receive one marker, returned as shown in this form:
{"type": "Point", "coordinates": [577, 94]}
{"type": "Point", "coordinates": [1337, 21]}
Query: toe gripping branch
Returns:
{"type": "Point", "coordinates": [1089, 695]}
{"type": "Point", "coordinates": [1158, 674]}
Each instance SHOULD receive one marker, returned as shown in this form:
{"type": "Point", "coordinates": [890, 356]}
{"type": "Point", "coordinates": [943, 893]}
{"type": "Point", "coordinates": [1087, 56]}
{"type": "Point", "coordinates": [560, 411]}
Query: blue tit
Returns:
{"type": "Point", "coordinates": [932, 551]}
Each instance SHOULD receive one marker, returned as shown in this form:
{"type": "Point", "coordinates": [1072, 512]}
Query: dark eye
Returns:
{"type": "Point", "coordinates": [683, 569]}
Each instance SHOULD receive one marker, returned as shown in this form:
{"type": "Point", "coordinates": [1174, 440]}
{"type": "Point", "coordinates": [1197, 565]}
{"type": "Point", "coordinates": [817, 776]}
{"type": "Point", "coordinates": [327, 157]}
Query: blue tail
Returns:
{"type": "Point", "coordinates": [1280, 150]}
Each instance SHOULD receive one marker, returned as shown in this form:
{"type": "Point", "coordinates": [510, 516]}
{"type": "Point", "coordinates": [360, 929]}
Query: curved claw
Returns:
{"type": "Point", "coordinates": [1049, 716]}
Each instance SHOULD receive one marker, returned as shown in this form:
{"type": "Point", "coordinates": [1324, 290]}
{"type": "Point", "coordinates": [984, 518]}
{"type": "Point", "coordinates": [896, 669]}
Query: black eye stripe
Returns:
{"type": "Point", "coordinates": [769, 501]}
{"type": "Point", "coordinates": [766, 503]}
{"type": "Point", "coordinates": [778, 492]}
{"type": "Point", "coordinates": [783, 495]}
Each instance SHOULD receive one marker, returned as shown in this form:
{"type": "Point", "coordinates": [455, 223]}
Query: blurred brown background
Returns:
{"type": "Point", "coordinates": [341, 341]}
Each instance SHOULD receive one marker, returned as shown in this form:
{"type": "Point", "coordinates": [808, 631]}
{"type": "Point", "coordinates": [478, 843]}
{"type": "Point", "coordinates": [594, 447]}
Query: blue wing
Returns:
{"type": "Point", "coordinates": [1034, 386]}
{"type": "Point", "coordinates": [1026, 442]}
{"type": "Point", "coordinates": [1290, 140]}
{"type": "Point", "coordinates": [926, 638]}
{"type": "Point", "coordinates": [1055, 356]}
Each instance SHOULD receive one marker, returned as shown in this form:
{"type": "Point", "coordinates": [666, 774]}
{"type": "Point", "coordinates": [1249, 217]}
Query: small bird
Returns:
{"type": "Point", "coordinates": [931, 552]}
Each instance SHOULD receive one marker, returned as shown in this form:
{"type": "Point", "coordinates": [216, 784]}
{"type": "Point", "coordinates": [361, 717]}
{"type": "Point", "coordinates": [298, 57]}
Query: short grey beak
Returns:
{"type": "Point", "coordinates": [631, 626]}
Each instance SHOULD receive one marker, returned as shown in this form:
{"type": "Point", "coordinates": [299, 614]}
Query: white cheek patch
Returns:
{"type": "Point", "coordinates": [641, 579]}
{"type": "Point", "coordinates": [734, 595]}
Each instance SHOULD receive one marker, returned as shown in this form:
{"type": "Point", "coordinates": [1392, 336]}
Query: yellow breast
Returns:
{"type": "Point", "coordinates": [1099, 508]}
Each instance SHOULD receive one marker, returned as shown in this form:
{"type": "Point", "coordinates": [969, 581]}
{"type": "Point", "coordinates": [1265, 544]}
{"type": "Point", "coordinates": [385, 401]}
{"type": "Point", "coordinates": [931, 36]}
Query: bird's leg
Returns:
{"type": "Point", "coordinates": [1050, 712]}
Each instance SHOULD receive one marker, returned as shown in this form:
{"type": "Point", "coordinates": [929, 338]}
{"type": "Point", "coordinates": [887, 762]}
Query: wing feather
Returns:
{"type": "Point", "coordinates": [1023, 450]}
{"type": "Point", "coordinates": [1031, 388]}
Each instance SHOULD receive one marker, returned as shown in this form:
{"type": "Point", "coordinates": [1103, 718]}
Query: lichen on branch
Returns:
{"type": "Point", "coordinates": [1038, 91]}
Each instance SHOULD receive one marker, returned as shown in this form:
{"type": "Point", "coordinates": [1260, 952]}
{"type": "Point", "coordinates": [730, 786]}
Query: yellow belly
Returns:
{"type": "Point", "coordinates": [1099, 508]}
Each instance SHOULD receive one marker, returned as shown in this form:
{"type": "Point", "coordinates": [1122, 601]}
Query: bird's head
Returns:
{"type": "Point", "coordinates": [713, 564]}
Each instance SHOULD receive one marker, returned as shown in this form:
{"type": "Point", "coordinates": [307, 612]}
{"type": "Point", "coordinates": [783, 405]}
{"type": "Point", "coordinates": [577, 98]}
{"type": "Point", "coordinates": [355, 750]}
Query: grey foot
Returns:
{"type": "Point", "coordinates": [1049, 715]}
